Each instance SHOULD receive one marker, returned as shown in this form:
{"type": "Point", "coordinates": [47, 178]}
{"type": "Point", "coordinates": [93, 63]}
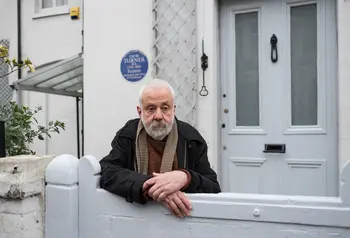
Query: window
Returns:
{"type": "Point", "coordinates": [53, 3]}
{"type": "Point", "coordinates": [49, 8]}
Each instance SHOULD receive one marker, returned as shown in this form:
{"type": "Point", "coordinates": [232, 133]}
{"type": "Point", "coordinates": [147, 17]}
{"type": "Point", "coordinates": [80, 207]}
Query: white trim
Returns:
{"type": "Point", "coordinates": [229, 85]}
{"type": "Point", "coordinates": [306, 163]}
{"type": "Point", "coordinates": [50, 12]}
{"type": "Point", "coordinates": [208, 107]}
{"type": "Point", "coordinates": [321, 127]}
{"type": "Point", "coordinates": [247, 131]}
{"type": "Point", "coordinates": [250, 162]}
{"type": "Point", "coordinates": [343, 73]}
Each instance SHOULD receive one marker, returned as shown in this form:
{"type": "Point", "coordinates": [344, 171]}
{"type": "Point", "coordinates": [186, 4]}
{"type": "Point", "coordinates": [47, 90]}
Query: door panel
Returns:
{"type": "Point", "coordinates": [291, 101]}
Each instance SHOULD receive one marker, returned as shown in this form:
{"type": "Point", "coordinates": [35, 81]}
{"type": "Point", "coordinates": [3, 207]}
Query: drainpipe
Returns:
{"type": "Point", "coordinates": [2, 139]}
{"type": "Point", "coordinates": [19, 47]}
{"type": "Point", "coordinates": [82, 99]}
{"type": "Point", "coordinates": [19, 36]}
{"type": "Point", "coordinates": [78, 125]}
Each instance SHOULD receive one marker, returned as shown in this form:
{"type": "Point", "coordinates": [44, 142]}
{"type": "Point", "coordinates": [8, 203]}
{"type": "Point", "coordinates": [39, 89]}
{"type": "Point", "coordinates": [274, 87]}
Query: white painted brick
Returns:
{"type": "Point", "coordinates": [22, 196]}
{"type": "Point", "coordinates": [21, 226]}
{"type": "Point", "coordinates": [33, 226]}
{"type": "Point", "coordinates": [22, 206]}
{"type": "Point", "coordinates": [22, 176]}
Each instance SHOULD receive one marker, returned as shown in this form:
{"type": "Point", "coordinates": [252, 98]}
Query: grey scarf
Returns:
{"type": "Point", "coordinates": [142, 149]}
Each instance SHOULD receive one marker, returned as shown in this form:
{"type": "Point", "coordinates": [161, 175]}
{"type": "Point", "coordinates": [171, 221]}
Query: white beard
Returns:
{"type": "Point", "coordinates": [158, 130]}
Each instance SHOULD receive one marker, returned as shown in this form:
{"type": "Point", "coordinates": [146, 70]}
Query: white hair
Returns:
{"type": "Point", "coordinates": [156, 83]}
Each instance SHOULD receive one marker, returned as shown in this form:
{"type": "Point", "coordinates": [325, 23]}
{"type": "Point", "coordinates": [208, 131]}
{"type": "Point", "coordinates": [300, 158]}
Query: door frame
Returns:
{"type": "Point", "coordinates": [227, 34]}
{"type": "Point", "coordinates": [210, 108]}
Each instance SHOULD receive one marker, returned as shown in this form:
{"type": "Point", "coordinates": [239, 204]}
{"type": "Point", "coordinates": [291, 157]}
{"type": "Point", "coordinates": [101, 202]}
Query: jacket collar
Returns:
{"type": "Point", "coordinates": [184, 130]}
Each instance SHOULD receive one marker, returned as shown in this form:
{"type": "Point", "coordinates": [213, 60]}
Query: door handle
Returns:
{"type": "Point", "coordinates": [275, 148]}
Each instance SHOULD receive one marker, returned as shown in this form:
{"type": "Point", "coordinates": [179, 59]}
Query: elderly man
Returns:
{"type": "Point", "coordinates": [158, 157]}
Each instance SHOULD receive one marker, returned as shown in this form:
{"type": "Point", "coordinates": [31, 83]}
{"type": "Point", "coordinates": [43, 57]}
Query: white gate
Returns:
{"type": "Point", "coordinates": [77, 208]}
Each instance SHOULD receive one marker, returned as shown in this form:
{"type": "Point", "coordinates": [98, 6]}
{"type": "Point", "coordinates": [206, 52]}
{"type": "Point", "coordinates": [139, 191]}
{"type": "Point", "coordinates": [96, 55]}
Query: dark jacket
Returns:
{"type": "Point", "coordinates": [118, 173]}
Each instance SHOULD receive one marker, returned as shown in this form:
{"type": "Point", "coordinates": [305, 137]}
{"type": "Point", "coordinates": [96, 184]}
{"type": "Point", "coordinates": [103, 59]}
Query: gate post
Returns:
{"type": "Point", "coordinates": [61, 217]}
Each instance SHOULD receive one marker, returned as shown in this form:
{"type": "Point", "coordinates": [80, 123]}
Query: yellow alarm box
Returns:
{"type": "Point", "coordinates": [74, 13]}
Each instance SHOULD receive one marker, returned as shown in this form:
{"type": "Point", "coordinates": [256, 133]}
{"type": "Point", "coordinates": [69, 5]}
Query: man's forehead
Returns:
{"type": "Point", "coordinates": [157, 94]}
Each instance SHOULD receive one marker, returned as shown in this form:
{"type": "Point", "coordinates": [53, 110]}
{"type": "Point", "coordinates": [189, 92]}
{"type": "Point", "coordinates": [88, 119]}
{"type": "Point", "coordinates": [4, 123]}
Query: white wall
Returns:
{"type": "Point", "coordinates": [344, 80]}
{"type": "Point", "coordinates": [8, 28]}
{"type": "Point", "coordinates": [110, 100]}
{"type": "Point", "coordinates": [112, 29]}
{"type": "Point", "coordinates": [208, 107]}
{"type": "Point", "coordinates": [44, 40]}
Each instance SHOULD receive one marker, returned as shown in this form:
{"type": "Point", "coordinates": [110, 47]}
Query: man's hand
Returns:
{"type": "Point", "coordinates": [162, 185]}
{"type": "Point", "coordinates": [178, 204]}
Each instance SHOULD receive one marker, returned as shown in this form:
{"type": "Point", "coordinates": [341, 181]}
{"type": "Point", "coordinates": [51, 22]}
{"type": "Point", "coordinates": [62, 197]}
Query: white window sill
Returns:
{"type": "Point", "coordinates": [50, 12]}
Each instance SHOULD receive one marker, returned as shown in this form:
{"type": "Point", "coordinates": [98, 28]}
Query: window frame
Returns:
{"type": "Point", "coordinates": [51, 11]}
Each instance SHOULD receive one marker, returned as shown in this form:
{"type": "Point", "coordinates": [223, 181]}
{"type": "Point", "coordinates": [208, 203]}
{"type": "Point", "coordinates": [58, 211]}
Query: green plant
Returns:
{"type": "Point", "coordinates": [13, 64]}
{"type": "Point", "coordinates": [21, 128]}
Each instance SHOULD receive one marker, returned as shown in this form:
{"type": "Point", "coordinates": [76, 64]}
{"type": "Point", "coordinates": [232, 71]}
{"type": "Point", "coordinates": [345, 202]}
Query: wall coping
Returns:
{"type": "Point", "coordinates": [22, 176]}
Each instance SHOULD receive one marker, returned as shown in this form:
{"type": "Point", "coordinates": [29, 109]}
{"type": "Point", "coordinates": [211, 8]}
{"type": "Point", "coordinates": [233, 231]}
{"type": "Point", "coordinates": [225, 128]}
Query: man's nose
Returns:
{"type": "Point", "coordinates": [158, 115]}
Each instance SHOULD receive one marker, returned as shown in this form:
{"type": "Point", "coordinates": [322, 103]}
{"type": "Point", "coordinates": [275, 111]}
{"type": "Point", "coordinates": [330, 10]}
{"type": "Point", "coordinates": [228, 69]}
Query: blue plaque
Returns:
{"type": "Point", "coordinates": [134, 66]}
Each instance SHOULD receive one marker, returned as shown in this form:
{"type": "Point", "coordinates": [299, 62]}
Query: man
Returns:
{"type": "Point", "coordinates": [158, 157]}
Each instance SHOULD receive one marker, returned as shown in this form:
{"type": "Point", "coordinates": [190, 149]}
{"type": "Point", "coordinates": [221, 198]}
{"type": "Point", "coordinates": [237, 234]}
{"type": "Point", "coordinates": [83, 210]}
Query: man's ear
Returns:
{"type": "Point", "coordinates": [139, 111]}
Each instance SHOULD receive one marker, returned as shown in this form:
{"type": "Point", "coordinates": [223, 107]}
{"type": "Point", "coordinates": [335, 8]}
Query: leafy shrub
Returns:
{"type": "Point", "coordinates": [21, 128]}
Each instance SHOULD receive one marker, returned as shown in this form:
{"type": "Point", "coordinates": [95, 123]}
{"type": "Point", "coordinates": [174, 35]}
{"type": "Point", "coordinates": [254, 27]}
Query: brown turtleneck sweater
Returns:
{"type": "Point", "coordinates": [155, 154]}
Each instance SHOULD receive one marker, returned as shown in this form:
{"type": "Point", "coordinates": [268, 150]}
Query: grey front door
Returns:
{"type": "Point", "coordinates": [278, 104]}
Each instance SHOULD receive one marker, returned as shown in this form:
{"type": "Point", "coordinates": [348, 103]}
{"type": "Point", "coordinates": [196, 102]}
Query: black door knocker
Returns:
{"type": "Point", "coordinates": [274, 53]}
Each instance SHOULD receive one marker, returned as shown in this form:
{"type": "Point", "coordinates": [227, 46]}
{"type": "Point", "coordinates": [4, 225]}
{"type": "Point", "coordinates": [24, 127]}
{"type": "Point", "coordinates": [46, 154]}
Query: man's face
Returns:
{"type": "Point", "coordinates": [157, 112]}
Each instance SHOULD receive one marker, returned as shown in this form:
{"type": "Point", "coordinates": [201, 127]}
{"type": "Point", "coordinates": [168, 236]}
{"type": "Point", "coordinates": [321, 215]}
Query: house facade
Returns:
{"type": "Point", "coordinates": [44, 32]}
{"type": "Point", "coordinates": [275, 113]}
{"type": "Point", "coordinates": [264, 81]}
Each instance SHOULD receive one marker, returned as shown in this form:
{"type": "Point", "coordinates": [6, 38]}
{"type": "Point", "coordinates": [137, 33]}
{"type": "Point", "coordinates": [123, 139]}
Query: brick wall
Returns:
{"type": "Point", "coordinates": [22, 196]}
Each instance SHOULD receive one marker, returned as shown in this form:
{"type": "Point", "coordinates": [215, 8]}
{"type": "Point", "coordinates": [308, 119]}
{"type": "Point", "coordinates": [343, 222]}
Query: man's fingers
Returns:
{"type": "Point", "coordinates": [155, 187]}
{"type": "Point", "coordinates": [162, 196]}
{"type": "Point", "coordinates": [175, 208]}
{"type": "Point", "coordinates": [185, 200]}
{"type": "Point", "coordinates": [167, 190]}
{"type": "Point", "coordinates": [155, 174]}
{"type": "Point", "coordinates": [169, 208]}
{"type": "Point", "coordinates": [181, 205]}
{"type": "Point", "coordinates": [156, 193]}
{"type": "Point", "coordinates": [148, 183]}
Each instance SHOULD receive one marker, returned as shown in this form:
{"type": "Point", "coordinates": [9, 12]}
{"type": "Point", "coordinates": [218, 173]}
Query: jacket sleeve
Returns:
{"type": "Point", "coordinates": [203, 178]}
{"type": "Point", "coordinates": [117, 178]}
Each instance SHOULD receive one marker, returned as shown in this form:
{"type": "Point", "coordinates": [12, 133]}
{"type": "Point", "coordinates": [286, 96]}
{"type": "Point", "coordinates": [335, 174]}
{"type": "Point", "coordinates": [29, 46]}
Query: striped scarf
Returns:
{"type": "Point", "coordinates": [142, 149]}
